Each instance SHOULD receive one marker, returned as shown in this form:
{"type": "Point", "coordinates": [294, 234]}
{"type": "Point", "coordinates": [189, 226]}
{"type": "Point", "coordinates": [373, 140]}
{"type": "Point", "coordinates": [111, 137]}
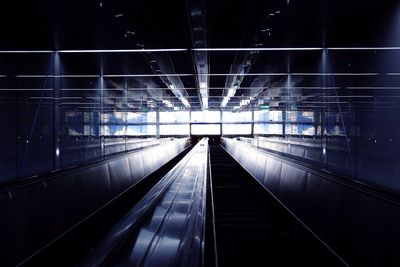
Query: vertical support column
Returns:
{"type": "Point", "coordinates": [126, 113]}
{"type": "Point", "coordinates": [190, 122]}
{"type": "Point", "coordinates": [102, 140]}
{"type": "Point", "coordinates": [284, 123]}
{"type": "Point", "coordinates": [316, 118]}
{"type": "Point", "coordinates": [324, 110]}
{"type": "Point", "coordinates": [220, 118]}
{"type": "Point", "coordinates": [252, 122]}
{"type": "Point", "coordinates": [56, 108]}
{"type": "Point", "coordinates": [158, 122]}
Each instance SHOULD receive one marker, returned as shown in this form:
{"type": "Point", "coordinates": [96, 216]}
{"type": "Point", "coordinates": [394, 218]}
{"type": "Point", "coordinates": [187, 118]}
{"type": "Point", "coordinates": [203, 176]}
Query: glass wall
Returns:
{"type": "Point", "coordinates": [174, 123]}
{"type": "Point", "coordinates": [26, 106]}
{"type": "Point", "coordinates": [340, 115]}
{"type": "Point", "coordinates": [58, 113]}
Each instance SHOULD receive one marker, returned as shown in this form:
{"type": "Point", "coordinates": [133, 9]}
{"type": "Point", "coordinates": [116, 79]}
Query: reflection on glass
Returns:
{"type": "Point", "coordinates": [174, 117]}
{"type": "Point", "coordinates": [300, 129]}
{"type": "Point", "coordinates": [244, 116]}
{"type": "Point", "coordinates": [268, 129]}
{"type": "Point", "coordinates": [267, 115]}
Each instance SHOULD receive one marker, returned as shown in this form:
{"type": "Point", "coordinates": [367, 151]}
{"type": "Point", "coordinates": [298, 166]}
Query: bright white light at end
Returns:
{"type": "Point", "coordinates": [260, 49]}
{"type": "Point", "coordinates": [203, 129]}
{"type": "Point", "coordinates": [185, 102]}
{"type": "Point", "coordinates": [122, 50]}
{"type": "Point", "coordinates": [205, 102]}
{"type": "Point", "coordinates": [231, 92]}
{"type": "Point", "coordinates": [57, 152]}
{"type": "Point", "coordinates": [203, 85]}
{"type": "Point", "coordinates": [225, 101]}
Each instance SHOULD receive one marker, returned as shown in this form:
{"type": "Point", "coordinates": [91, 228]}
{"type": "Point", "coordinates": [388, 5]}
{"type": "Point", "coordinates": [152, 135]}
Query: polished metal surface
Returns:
{"type": "Point", "coordinates": [166, 228]}
{"type": "Point", "coordinates": [314, 197]}
{"type": "Point", "coordinates": [34, 214]}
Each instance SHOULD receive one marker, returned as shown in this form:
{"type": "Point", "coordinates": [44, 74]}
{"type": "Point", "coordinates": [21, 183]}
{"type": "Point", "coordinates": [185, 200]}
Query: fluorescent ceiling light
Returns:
{"type": "Point", "coordinates": [260, 49]}
{"type": "Point", "coordinates": [147, 75]}
{"type": "Point", "coordinates": [185, 102]}
{"type": "Point", "coordinates": [203, 85]}
{"type": "Point", "coordinates": [231, 92]}
{"type": "Point", "coordinates": [365, 48]}
{"type": "Point", "coordinates": [123, 50]}
{"type": "Point", "coordinates": [25, 51]}
{"type": "Point", "coordinates": [205, 102]}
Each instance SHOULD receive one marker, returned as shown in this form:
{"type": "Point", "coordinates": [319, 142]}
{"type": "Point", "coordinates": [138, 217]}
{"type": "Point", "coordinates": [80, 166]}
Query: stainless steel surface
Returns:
{"type": "Point", "coordinates": [166, 228]}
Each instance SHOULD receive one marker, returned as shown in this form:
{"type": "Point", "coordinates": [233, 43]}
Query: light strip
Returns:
{"type": "Point", "coordinates": [261, 49]}
{"type": "Point", "coordinates": [346, 96]}
{"type": "Point", "coordinates": [209, 74]}
{"type": "Point", "coordinates": [25, 51]}
{"type": "Point", "coordinates": [296, 48]}
{"type": "Point", "coordinates": [58, 76]}
{"type": "Point", "coordinates": [201, 49]}
{"type": "Point", "coordinates": [336, 74]}
{"type": "Point", "coordinates": [123, 50]}
{"type": "Point", "coordinates": [365, 48]}
{"type": "Point", "coordinates": [23, 89]}
{"type": "Point", "coordinates": [146, 75]}
{"type": "Point", "coordinates": [375, 87]}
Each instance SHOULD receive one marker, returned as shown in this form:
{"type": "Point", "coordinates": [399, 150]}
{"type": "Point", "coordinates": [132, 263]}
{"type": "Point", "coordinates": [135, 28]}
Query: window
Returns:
{"type": "Point", "coordinates": [262, 128]}
{"type": "Point", "coordinates": [244, 116]}
{"type": "Point", "coordinates": [206, 116]}
{"type": "Point", "coordinates": [174, 117]}
{"type": "Point", "coordinates": [206, 129]}
{"type": "Point", "coordinates": [236, 129]}
{"type": "Point", "coordinates": [174, 129]}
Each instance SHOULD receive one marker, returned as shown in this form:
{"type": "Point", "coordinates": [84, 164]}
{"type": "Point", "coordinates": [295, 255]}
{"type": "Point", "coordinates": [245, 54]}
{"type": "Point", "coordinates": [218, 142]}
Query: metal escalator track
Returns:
{"type": "Point", "coordinates": [167, 226]}
{"type": "Point", "coordinates": [253, 228]}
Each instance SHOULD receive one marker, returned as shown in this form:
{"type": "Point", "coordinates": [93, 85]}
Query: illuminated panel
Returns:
{"type": "Point", "coordinates": [236, 129]}
{"type": "Point", "coordinates": [174, 129]}
{"type": "Point", "coordinates": [206, 116]}
{"type": "Point", "coordinates": [206, 129]}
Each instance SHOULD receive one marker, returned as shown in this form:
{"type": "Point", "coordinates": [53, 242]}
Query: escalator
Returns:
{"type": "Point", "coordinates": [167, 225]}
{"type": "Point", "coordinates": [253, 228]}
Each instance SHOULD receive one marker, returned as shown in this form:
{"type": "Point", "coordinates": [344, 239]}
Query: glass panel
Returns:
{"type": "Point", "coordinates": [206, 116]}
{"type": "Point", "coordinates": [174, 129]}
{"type": "Point", "coordinates": [266, 115]}
{"type": "Point", "coordinates": [268, 129]}
{"type": "Point", "coordinates": [206, 129]}
{"type": "Point", "coordinates": [244, 116]}
{"type": "Point", "coordinates": [236, 129]}
{"type": "Point", "coordinates": [300, 129]}
{"type": "Point", "coordinates": [141, 130]}
{"type": "Point", "coordinates": [174, 117]}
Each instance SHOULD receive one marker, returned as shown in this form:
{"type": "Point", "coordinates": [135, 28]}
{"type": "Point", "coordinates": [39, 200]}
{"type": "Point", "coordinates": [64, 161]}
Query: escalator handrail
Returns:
{"type": "Point", "coordinates": [114, 240]}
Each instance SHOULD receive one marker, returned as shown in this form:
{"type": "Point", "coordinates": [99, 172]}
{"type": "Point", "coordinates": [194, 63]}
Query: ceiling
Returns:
{"type": "Point", "coordinates": [229, 55]}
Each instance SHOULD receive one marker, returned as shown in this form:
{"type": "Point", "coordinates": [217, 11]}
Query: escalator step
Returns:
{"type": "Point", "coordinates": [252, 228]}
